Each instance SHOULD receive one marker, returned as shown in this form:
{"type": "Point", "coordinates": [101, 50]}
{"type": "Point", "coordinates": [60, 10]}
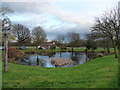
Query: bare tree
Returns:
{"type": "Point", "coordinates": [108, 25]}
{"type": "Point", "coordinates": [61, 38]}
{"type": "Point", "coordinates": [38, 35]}
{"type": "Point", "coordinates": [1, 37]}
{"type": "Point", "coordinates": [91, 43]}
{"type": "Point", "coordinates": [119, 27]}
{"type": "Point", "coordinates": [22, 34]}
{"type": "Point", "coordinates": [4, 12]}
{"type": "Point", "coordinates": [74, 39]}
{"type": "Point", "coordinates": [94, 37]}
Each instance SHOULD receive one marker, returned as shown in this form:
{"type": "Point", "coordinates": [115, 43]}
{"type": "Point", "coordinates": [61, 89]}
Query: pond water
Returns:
{"type": "Point", "coordinates": [44, 60]}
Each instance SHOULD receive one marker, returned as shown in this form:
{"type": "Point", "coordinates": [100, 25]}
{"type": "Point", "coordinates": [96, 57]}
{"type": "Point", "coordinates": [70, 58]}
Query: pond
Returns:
{"type": "Point", "coordinates": [44, 60]}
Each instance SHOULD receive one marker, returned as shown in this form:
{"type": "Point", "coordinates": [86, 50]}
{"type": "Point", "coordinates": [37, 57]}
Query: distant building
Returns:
{"type": "Point", "coordinates": [47, 45]}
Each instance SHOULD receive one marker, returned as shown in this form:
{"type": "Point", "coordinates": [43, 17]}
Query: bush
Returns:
{"type": "Point", "coordinates": [53, 47]}
{"type": "Point", "coordinates": [91, 44]}
{"type": "Point", "coordinates": [14, 53]}
{"type": "Point", "coordinates": [63, 48]}
{"type": "Point", "coordinates": [88, 46]}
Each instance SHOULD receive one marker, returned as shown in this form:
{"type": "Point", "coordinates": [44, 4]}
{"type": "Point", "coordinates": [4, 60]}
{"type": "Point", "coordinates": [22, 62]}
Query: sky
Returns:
{"type": "Point", "coordinates": [58, 17]}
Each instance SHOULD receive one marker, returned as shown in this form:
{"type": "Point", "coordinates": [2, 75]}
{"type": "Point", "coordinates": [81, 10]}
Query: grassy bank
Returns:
{"type": "Point", "coordinates": [76, 49]}
{"type": "Point", "coordinates": [0, 69]}
{"type": "Point", "coordinates": [98, 73]}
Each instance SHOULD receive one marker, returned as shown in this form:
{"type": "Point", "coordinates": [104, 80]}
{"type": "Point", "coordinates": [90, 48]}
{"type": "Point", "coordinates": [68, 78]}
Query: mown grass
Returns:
{"type": "Point", "coordinates": [0, 69]}
{"type": "Point", "coordinates": [98, 73]}
{"type": "Point", "coordinates": [77, 49]}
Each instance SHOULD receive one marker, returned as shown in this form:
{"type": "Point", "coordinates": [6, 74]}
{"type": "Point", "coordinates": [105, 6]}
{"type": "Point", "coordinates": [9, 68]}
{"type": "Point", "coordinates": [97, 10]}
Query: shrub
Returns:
{"type": "Point", "coordinates": [88, 46]}
{"type": "Point", "coordinates": [14, 53]}
{"type": "Point", "coordinates": [63, 48]}
{"type": "Point", "coordinates": [53, 47]}
{"type": "Point", "coordinates": [32, 51]}
{"type": "Point", "coordinates": [91, 44]}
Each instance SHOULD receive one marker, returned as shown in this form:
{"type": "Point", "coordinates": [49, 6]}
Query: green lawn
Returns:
{"type": "Point", "coordinates": [97, 73]}
{"type": "Point", "coordinates": [0, 69]}
{"type": "Point", "coordinates": [68, 49]}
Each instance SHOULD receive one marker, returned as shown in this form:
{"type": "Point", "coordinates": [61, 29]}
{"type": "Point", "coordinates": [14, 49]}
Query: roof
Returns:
{"type": "Point", "coordinates": [47, 43]}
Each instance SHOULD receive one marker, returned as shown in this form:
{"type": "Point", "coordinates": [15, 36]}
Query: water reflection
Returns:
{"type": "Point", "coordinates": [44, 59]}
{"type": "Point", "coordinates": [79, 58]}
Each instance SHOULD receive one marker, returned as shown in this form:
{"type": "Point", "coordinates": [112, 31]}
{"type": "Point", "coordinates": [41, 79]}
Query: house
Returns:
{"type": "Point", "coordinates": [47, 45]}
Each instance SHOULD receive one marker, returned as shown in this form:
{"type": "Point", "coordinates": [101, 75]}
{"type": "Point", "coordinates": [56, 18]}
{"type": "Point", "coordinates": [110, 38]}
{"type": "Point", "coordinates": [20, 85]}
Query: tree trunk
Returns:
{"type": "Point", "coordinates": [87, 55]}
{"type": "Point", "coordinates": [5, 52]}
{"type": "Point", "coordinates": [116, 53]}
{"type": "Point", "coordinates": [60, 54]}
{"type": "Point", "coordinates": [60, 51]}
{"type": "Point", "coordinates": [72, 50]}
{"type": "Point", "coordinates": [37, 60]}
{"type": "Point", "coordinates": [119, 53]}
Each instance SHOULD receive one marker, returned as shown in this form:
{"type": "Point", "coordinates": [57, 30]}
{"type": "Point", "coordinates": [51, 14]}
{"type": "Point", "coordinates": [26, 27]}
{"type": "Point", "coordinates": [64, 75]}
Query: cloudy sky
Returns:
{"type": "Point", "coordinates": [58, 16]}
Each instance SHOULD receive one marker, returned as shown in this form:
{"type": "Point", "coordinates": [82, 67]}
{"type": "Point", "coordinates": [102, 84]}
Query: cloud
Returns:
{"type": "Point", "coordinates": [28, 7]}
{"type": "Point", "coordinates": [58, 17]}
{"type": "Point", "coordinates": [60, 0]}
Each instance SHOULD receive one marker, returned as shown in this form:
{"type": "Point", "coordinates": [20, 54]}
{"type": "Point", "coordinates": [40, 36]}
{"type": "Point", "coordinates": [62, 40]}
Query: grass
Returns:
{"type": "Point", "coordinates": [68, 49]}
{"type": "Point", "coordinates": [98, 73]}
{"type": "Point", "coordinates": [0, 69]}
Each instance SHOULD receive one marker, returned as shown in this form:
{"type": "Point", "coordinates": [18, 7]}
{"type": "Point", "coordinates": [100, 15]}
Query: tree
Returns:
{"type": "Point", "coordinates": [3, 13]}
{"type": "Point", "coordinates": [119, 28]}
{"type": "Point", "coordinates": [1, 37]}
{"type": "Point", "coordinates": [60, 38]}
{"type": "Point", "coordinates": [57, 42]}
{"type": "Point", "coordinates": [22, 34]}
{"type": "Point", "coordinates": [38, 35]}
{"type": "Point", "coordinates": [74, 39]}
{"type": "Point", "coordinates": [109, 26]}
{"type": "Point", "coordinates": [91, 43]}
{"type": "Point", "coordinates": [6, 10]}
{"type": "Point", "coordinates": [95, 39]}
{"type": "Point", "coordinates": [106, 43]}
